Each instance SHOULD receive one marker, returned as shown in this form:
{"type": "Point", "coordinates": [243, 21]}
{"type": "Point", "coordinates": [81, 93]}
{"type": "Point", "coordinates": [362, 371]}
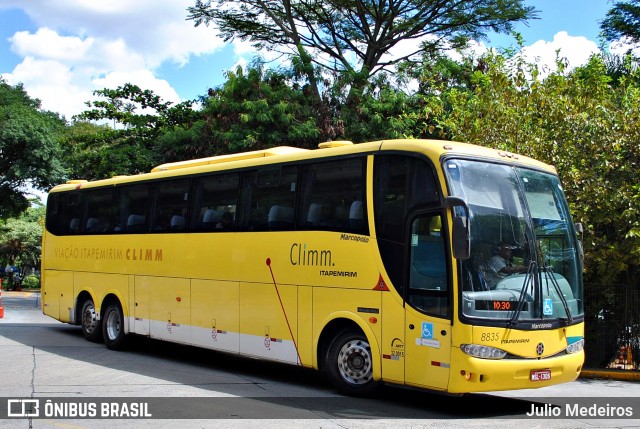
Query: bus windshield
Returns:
{"type": "Point", "coordinates": [524, 265]}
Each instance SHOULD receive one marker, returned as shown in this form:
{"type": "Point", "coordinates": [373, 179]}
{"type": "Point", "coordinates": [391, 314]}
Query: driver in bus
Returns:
{"type": "Point", "coordinates": [500, 265]}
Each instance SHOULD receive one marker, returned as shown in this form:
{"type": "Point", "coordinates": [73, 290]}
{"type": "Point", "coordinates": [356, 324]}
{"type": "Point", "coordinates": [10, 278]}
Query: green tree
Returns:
{"type": "Point", "coordinates": [21, 237]}
{"type": "Point", "coordinates": [29, 148]}
{"type": "Point", "coordinates": [384, 112]}
{"type": "Point", "coordinates": [128, 106]}
{"type": "Point", "coordinates": [256, 109]}
{"type": "Point", "coordinates": [98, 151]}
{"type": "Point", "coordinates": [354, 38]}
{"type": "Point", "coordinates": [133, 119]}
{"type": "Point", "coordinates": [622, 20]}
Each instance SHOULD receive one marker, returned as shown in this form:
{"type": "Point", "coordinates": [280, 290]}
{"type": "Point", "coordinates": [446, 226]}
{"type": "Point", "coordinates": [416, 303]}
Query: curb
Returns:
{"type": "Point", "coordinates": [610, 374]}
{"type": "Point", "coordinates": [21, 293]}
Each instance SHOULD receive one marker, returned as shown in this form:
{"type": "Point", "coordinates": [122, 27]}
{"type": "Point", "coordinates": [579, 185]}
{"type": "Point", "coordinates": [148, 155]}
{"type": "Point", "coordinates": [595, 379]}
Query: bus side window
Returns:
{"type": "Point", "coordinates": [73, 212]}
{"type": "Point", "coordinates": [270, 195]}
{"type": "Point", "coordinates": [215, 203]}
{"type": "Point", "coordinates": [55, 220]}
{"type": "Point", "coordinates": [333, 197]}
{"type": "Point", "coordinates": [99, 217]}
{"type": "Point", "coordinates": [170, 203]}
{"type": "Point", "coordinates": [65, 213]}
{"type": "Point", "coordinates": [428, 282]}
{"type": "Point", "coordinates": [133, 202]}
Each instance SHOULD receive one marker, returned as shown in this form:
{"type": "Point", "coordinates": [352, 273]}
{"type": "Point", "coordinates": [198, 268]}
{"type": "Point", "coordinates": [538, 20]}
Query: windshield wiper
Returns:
{"type": "Point", "coordinates": [527, 278]}
{"type": "Point", "coordinates": [549, 274]}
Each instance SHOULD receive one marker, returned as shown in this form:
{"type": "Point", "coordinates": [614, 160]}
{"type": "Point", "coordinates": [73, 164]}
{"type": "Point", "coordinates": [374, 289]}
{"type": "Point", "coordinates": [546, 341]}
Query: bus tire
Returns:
{"type": "Point", "coordinates": [113, 326]}
{"type": "Point", "coordinates": [349, 364]}
{"type": "Point", "coordinates": [91, 329]}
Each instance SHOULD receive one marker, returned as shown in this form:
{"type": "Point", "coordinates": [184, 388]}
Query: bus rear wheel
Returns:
{"type": "Point", "coordinates": [91, 328]}
{"type": "Point", "coordinates": [113, 326]}
{"type": "Point", "coordinates": [349, 364]}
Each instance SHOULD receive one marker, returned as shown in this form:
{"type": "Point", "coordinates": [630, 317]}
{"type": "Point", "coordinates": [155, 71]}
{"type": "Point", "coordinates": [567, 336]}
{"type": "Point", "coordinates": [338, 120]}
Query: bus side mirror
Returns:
{"type": "Point", "coordinates": [461, 229]}
{"type": "Point", "coordinates": [460, 238]}
{"type": "Point", "coordinates": [580, 232]}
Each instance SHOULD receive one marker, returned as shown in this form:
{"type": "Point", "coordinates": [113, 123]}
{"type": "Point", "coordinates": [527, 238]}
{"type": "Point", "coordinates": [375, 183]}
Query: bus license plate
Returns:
{"type": "Point", "coordinates": [540, 375]}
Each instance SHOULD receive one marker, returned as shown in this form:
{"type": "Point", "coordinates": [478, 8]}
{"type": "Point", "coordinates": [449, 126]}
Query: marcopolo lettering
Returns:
{"type": "Point", "coordinates": [358, 238]}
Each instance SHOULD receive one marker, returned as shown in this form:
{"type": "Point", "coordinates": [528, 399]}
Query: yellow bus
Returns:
{"type": "Point", "coordinates": [430, 264]}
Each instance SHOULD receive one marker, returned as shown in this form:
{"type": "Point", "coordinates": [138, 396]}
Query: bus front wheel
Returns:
{"type": "Point", "coordinates": [349, 364]}
{"type": "Point", "coordinates": [113, 326]}
{"type": "Point", "coordinates": [91, 329]}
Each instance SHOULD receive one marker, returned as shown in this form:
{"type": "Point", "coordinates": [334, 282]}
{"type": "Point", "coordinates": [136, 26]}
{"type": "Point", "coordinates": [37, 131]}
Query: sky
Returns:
{"type": "Point", "coordinates": [63, 50]}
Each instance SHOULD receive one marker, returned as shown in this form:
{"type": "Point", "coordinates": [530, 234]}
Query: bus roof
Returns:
{"type": "Point", "coordinates": [433, 148]}
{"type": "Point", "coordinates": [275, 151]}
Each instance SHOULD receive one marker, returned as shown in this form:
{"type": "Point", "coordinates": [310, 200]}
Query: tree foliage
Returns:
{"type": "Point", "coordinates": [356, 37]}
{"type": "Point", "coordinates": [20, 238]}
{"type": "Point", "coordinates": [98, 151]}
{"type": "Point", "coordinates": [133, 119]}
{"type": "Point", "coordinates": [383, 112]}
{"type": "Point", "coordinates": [29, 150]}
{"type": "Point", "coordinates": [259, 109]}
{"type": "Point", "coordinates": [254, 109]}
{"type": "Point", "coordinates": [622, 21]}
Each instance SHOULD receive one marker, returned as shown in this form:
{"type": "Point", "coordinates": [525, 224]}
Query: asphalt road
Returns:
{"type": "Point", "coordinates": [180, 386]}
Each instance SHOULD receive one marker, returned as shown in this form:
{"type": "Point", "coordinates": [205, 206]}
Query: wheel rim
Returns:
{"type": "Point", "coordinates": [89, 319]}
{"type": "Point", "coordinates": [354, 362]}
{"type": "Point", "coordinates": [113, 324]}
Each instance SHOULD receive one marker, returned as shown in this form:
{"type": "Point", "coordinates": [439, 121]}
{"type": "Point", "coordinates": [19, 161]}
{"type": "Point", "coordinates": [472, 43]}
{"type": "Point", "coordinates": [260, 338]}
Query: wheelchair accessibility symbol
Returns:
{"type": "Point", "coordinates": [547, 307]}
{"type": "Point", "coordinates": [427, 330]}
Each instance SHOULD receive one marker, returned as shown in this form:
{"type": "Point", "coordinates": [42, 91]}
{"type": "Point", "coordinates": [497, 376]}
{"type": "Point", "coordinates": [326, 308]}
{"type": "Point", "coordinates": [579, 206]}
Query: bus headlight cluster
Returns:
{"type": "Point", "coordinates": [483, 352]}
{"type": "Point", "coordinates": [575, 347]}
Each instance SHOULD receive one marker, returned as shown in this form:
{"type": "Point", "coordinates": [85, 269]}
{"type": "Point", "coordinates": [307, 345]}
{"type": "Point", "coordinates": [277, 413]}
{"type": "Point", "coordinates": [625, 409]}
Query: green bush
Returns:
{"type": "Point", "coordinates": [31, 282]}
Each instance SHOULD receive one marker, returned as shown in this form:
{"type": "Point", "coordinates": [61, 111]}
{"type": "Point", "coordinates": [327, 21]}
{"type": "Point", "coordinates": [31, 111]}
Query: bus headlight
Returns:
{"type": "Point", "coordinates": [575, 347]}
{"type": "Point", "coordinates": [483, 352]}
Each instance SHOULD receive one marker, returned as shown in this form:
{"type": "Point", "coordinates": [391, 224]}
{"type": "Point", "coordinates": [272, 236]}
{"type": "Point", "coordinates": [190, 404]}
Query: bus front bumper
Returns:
{"type": "Point", "coordinates": [469, 374]}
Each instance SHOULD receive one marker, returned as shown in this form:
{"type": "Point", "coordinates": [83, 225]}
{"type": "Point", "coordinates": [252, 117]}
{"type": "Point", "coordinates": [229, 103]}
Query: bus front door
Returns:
{"type": "Point", "coordinates": [427, 351]}
{"type": "Point", "coordinates": [427, 306]}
